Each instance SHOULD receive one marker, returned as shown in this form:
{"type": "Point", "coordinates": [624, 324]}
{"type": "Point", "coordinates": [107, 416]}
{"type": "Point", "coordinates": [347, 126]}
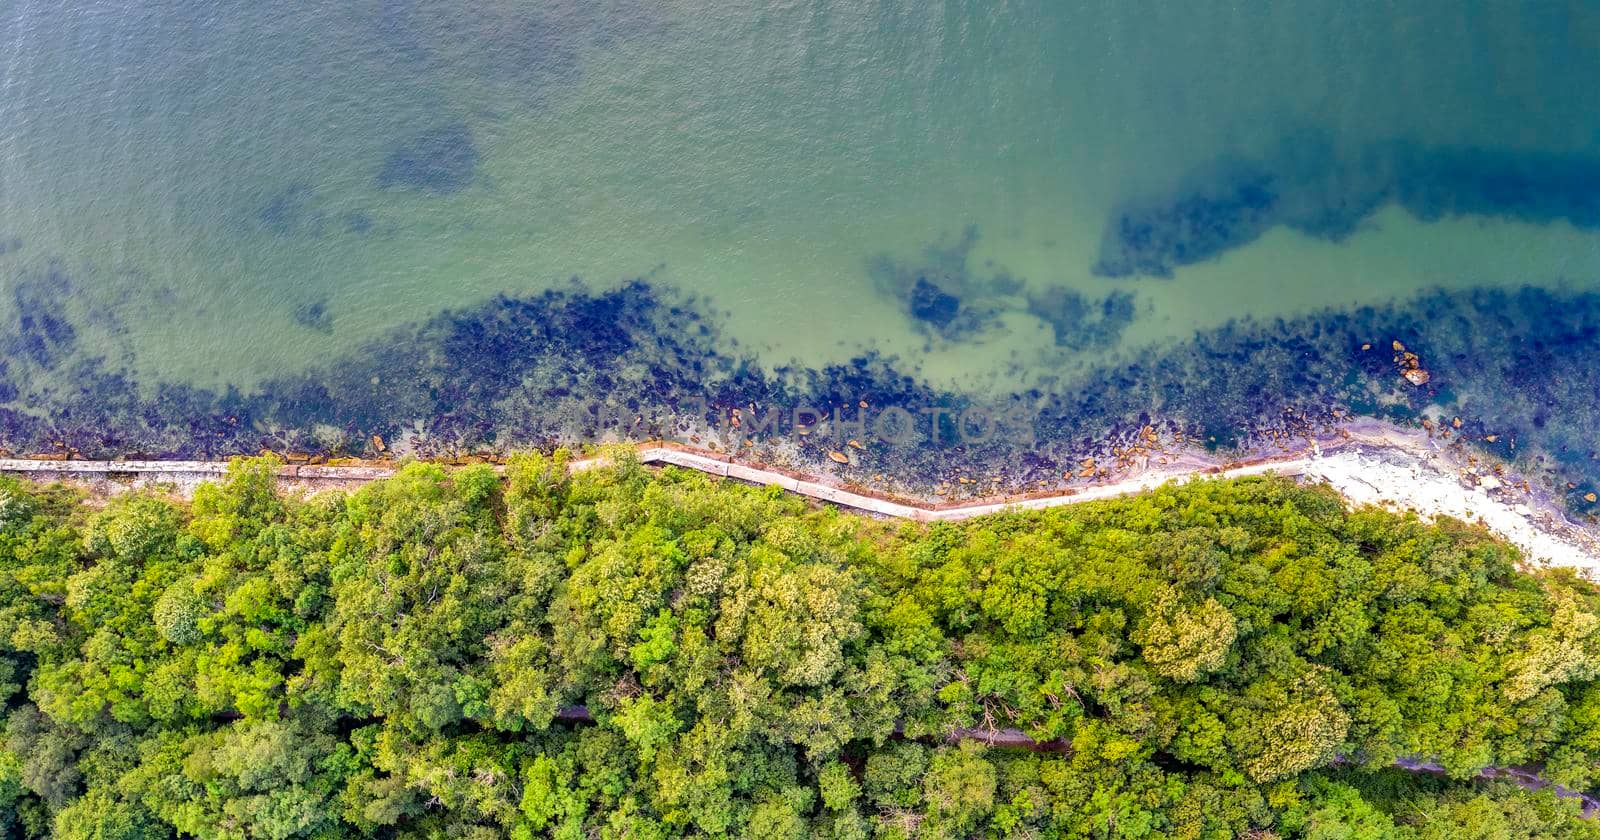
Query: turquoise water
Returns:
{"type": "Point", "coordinates": [216, 194]}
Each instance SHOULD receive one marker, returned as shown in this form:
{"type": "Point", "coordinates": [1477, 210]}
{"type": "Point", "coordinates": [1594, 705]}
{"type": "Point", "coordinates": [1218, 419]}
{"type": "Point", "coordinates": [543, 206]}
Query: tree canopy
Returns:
{"type": "Point", "coordinates": [624, 653]}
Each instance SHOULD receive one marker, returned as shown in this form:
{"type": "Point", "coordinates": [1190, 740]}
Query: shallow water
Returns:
{"type": "Point", "coordinates": [1002, 196]}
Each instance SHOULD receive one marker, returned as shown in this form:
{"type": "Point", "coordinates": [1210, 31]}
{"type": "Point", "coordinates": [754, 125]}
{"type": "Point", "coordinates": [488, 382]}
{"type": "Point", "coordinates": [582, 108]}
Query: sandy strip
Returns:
{"type": "Point", "coordinates": [1404, 481]}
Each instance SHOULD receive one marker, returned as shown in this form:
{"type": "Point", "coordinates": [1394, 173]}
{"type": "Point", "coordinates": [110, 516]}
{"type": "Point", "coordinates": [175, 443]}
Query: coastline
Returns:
{"type": "Point", "coordinates": [1366, 461]}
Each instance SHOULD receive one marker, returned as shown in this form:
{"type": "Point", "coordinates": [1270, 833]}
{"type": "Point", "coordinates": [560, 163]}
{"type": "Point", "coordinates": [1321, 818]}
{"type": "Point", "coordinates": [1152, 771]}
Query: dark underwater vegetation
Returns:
{"type": "Point", "coordinates": [942, 292]}
{"type": "Point", "coordinates": [1080, 322]}
{"type": "Point", "coordinates": [642, 362]}
{"type": "Point", "coordinates": [314, 315]}
{"type": "Point", "coordinates": [358, 222]}
{"type": "Point", "coordinates": [42, 335]}
{"type": "Point", "coordinates": [299, 210]}
{"type": "Point", "coordinates": [932, 304]}
{"type": "Point", "coordinates": [289, 211]}
{"type": "Point", "coordinates": [1327, 194]}
{"type": "Point", "coordinates": [441, 160]}
{"type": "Point", "coordinates": [520, 48]}
{"type": "Point", "coordinates": [952, 299]}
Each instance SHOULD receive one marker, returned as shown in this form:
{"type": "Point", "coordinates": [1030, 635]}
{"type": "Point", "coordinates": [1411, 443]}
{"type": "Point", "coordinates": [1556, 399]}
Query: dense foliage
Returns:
{"type": "Point", "coordinates": [1217, 660]}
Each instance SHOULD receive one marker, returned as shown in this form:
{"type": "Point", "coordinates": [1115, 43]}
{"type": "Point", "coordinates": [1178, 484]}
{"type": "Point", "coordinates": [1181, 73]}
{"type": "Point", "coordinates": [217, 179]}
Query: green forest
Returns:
{"type": "Point", "coordinates": [627, 653]}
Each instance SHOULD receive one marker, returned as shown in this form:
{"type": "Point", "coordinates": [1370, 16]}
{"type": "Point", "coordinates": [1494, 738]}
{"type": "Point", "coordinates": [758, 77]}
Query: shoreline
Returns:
{"type": "Point", "coordinates": [1366, 461]}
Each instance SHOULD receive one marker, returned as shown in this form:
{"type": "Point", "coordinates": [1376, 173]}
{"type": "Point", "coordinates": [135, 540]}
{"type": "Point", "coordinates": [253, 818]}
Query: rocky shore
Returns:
{"type": "Point", "coordinates": [1506, 374]}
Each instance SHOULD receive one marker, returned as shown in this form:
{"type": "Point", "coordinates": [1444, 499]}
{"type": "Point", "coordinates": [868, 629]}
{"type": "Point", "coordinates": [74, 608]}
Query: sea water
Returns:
{"type": "Point", "coordinates": [999, 196]}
